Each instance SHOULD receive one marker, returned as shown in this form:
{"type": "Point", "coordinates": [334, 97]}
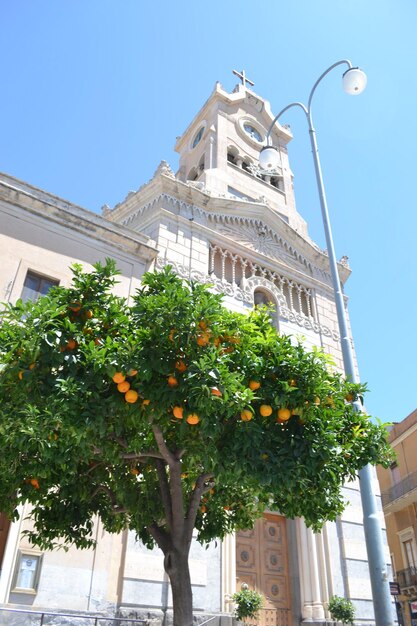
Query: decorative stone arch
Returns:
{"type": "Point", "coordinates": [193, 174]}
{"type": "Point", "coordinates": [263, 284]}
{"type": "Point", "coordinates": [265, 292]}
{"type": "Point", "coordinates": [232, 154]}
{"type": "Point", "coordinates": [247, 163]}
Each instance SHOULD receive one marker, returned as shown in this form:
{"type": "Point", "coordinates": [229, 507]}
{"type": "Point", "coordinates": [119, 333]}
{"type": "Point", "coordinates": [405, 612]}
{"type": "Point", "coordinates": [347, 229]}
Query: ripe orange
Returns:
{"type": "Point", "coordinates": [203, 509]}
{"type": "Point", "coordinates": [131, 396]}
{"type": "Point", "coordinates": [123, 386]}
{"type": "Point", "coordinates": [89, 314]}
{"type": "Point", "coordinates": [134, 471]}
{"type": "Point", "coordinates": [20, 375]}
{"type": "Point", "coordinates": [132, 372]}
{"type": "Point", "coordinates": [98, 341]}
{"type": "Point", "coordinates": [254, 385]}
{"type": "Point", "coordinates": [349, 397]}
{"type": "Point", "coordinates": [172, 381]}
{"type": "Point", "coordinates": [146, 402]}
{"type": "Point", "coordinates": [216, 392]}
{"type": "Point", "coordinates": [246, 415]}
{"type": "Point", "coordinates": [178, 412]}
{"type": "Point", "coordinates": [202, 324]}
{"type": "Point", "coordinates": [203, 339]}
{"type": "Point", "coordinates": [193, 419]}
{"type": "Point", "coordinates": [180, 365]}
{"type": "Point", "coordinates": [34, 482]}
{"type": "Point", "coordinates": [71, 344]}
{"type": "Point", "coordinates": [118, 377]}
{"type": "Point", "coordinates": [32, 366]}
{"type": "Point", "coordinates": [265, 410]}
{"type": "Point", "coordinates": [171, 334]}
{"type": "Point", "coordinates": [75, 306]}
{"type": "Point", "coordinates": [283, 414]}
{"type": "Point", "coordinates": [232, 339]}
{"type": "Point", "coordinates": [292, 382]}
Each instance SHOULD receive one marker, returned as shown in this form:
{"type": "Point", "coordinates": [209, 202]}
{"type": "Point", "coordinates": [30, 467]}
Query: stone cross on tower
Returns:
{"type": "Point", "coordinates": [242, 76]}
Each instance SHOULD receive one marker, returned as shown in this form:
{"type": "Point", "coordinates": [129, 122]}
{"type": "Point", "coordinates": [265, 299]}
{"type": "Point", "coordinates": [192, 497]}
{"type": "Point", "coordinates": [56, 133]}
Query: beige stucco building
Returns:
{"type": "Point", "coordinates": [218, 220]}
{"type": "Point", "coordinates": [399, 500]}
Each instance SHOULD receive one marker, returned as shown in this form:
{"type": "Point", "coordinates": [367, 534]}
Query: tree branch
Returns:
{"type": "Point", "coordinates": [142, 455]}
{"type": "Point", "coordinates": [161, 537]}
{"type": "Point", "coordinates": [93, 467]}
{"type": "Point", "coordinates": [119, 440]}
{"type": "Point", "coordinates": [109, 492]}
{"type": "Point", "coordinates": [164, 489]}
{"type": "Point", "coordinates": [162, 446]}
{"type": "Point", "coordinates": [201, 487]}
{"type": "Point", "coordinates": [116, 511]}
{"type": "Point", "coordinates": [175, 487]}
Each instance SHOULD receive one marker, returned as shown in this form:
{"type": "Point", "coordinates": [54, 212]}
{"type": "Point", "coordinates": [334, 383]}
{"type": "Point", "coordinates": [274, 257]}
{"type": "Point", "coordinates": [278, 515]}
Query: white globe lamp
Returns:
{"type": "Point", "coordinates": [354, 81]}
{"type": "Point", "coordinates": [269, 159]}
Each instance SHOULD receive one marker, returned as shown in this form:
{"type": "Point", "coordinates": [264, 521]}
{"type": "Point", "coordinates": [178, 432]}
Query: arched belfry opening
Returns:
{"type": "Point", "coordinates": [263, 297]}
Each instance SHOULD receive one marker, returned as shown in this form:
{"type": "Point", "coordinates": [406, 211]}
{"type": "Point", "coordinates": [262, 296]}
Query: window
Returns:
{"type": "Point", "coordinates": [36, 285]}
{"type": "Point", "coordinates": [26, 576]}
{"type": "Point", "coordinates": [395, 473]}
{"type": "Point", "coordinates": [198, 136]}
{"type": "Point", "coordinates": [410, 558]}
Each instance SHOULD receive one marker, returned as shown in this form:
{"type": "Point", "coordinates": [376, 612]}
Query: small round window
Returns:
{"type": "Point", "coordinates": [252, 132]}
{"type": "Point", "coordinates": [198, 137]}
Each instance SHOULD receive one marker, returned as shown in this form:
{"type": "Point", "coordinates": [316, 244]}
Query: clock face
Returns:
{"type": "Point", "coordinates": [198, 137]}
{"type": "Point", "coordinates": [252, 132]}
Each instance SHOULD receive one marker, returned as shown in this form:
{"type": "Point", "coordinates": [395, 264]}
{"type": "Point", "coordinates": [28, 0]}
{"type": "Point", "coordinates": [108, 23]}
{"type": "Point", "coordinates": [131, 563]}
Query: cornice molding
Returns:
{"type": "Point", "coordinates": [41, 206]}
{"type": "Point", "coordinates": [252, 232]}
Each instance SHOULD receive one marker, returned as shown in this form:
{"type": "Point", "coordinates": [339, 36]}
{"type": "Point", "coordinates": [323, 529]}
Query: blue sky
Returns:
{"type": "Point", "coordinates": [94, 93]}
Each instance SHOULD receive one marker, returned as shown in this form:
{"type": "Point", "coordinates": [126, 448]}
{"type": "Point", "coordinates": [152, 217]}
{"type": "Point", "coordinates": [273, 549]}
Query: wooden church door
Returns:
{"type": "Point", "coordinates": [262, 563]}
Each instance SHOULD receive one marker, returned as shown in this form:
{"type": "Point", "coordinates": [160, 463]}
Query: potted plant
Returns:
{"type": "Point", "coordinates": [248, 602]}
{"type": "Point", "coordinates": [341, 610]}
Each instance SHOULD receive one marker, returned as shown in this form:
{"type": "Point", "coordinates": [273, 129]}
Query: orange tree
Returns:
{"type": "Point", "coordinates": [168, 415]}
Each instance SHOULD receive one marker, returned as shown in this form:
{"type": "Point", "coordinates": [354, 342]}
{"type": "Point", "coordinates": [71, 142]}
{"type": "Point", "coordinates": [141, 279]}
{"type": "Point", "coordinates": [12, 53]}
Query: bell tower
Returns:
{"type": "Point", "coordinates": [219, 151]}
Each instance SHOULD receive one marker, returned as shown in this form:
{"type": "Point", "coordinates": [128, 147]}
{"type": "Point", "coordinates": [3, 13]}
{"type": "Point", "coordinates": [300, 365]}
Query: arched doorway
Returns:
{"type": "Point", "coordinates": [262, 563]}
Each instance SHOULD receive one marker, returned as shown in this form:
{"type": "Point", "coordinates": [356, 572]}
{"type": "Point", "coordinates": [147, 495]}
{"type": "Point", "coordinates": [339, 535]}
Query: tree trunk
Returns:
{"type": "Point", "coordinates": [176, 566]}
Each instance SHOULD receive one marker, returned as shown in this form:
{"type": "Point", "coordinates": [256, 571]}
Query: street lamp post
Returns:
{"type": "Point", "coordinates": [354, 82]}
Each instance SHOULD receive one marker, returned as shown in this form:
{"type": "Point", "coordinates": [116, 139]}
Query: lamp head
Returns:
{"type": "Point", "coordinates": [354, 81]}
{"type": "Point", "coordinates": [269, 158]}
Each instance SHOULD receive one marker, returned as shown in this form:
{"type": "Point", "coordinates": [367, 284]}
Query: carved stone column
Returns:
{"type": "Point", "coordinates": [228, 571]}
{"type": "Point", "coordinates": [312, 608]}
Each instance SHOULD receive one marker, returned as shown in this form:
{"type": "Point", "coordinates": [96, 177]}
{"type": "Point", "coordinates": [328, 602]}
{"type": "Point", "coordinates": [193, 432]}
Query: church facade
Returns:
{"type": "Point", "coordinates": [222, 221]}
